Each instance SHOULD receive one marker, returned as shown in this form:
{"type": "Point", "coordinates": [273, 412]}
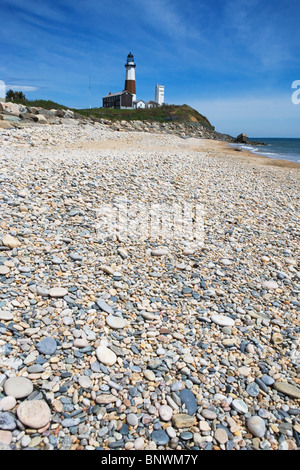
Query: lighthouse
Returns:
{"type": "Point", "coordinates": [130, 76]}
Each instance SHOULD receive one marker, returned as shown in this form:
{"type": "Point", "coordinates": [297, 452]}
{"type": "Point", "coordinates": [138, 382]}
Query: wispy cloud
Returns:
{"type": "Point", "coordinates": [24, 88]}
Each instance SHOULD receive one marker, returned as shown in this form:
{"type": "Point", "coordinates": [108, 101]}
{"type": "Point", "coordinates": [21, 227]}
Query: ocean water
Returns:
{"type": "Point", "coordinates": [279, 148]}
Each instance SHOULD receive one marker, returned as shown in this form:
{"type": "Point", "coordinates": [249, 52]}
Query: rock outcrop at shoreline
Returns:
{"type": "Point", "coordinates": [16, 115]}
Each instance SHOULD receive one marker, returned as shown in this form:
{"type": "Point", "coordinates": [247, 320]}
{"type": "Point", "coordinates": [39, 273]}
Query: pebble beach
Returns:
{"type": "Point", "coordinates": [133, 340]}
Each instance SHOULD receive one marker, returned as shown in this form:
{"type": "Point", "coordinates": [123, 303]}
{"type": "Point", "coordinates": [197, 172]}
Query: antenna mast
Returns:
{"type": "Point", "coordinates": [90, 92]}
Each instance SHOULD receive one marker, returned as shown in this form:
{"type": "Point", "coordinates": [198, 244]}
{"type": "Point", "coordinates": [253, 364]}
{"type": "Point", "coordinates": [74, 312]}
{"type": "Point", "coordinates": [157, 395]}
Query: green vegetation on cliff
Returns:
{"type": "Point", "coordinates": [165, 113]}
{"type": "Point", "coordinates": [178, 113]}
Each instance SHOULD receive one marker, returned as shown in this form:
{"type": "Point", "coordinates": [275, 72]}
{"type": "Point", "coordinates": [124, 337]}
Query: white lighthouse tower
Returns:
{"type": "Point", "coordinates": [130, 76]}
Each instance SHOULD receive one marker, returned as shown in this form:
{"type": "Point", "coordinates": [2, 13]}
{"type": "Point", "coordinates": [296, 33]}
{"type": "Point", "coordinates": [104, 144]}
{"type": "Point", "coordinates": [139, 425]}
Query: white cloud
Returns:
{"type": "Point", "coordinates": [21, 87]}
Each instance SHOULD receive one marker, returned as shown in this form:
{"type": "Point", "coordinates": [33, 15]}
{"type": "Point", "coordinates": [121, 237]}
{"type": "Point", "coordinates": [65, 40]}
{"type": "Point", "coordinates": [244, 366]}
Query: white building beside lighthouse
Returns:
{"type": "Point", "coordinates": [160, 94]}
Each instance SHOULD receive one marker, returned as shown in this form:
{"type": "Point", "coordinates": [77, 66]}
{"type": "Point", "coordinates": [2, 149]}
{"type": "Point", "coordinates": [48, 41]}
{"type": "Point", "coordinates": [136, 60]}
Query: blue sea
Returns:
{"type": "Point", "coordinates": [279, 148]}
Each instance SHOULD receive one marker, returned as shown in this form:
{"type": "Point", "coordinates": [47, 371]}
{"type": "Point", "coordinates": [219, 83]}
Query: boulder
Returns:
{"type": "Point", "coordinates": [243, 138]}
{"type": "Point", "coordinates": [48, 113]}
{"type": "Point", "coordinates": [69, 114]}
{"type": "Point", "coordinates": [60, 113]}
{"type": "Point", "coordinates": [12, 108]}
{"type": "Point", "coordinates": [10, 117]}
{"type": "Point", "coordinates": [6, 125]}
{"type": "Point", "coordinates": [34, 110]}
{"type": "Point", "coordinates": [41, 119]}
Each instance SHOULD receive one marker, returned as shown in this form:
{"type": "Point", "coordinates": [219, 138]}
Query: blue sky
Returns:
{"type": "Point", "coordinates": [232, 60]}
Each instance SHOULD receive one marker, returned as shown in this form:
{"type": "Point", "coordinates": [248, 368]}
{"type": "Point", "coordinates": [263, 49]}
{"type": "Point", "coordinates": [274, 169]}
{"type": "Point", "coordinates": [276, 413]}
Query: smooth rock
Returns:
{"type": "Point", "coordinates": [221, 435]}
{"type": "Point", "coordinates": [18, 387]}
{"type": "Point", "coordinates": [47, 346]}
{"type": "Point", "coordinates": [5, 437]}
{"type": "Point", "coordinates": [84, 381]}
{"type": "Point", "coordinates": [132, 419]}
{"type": "Point", "coordinates": [287, 389]}
{"type": "Point", "coordinates": [208, 414]}
{"type": "Point", "coordinates": [7, 421]}
{"type": "Point", "coordinates": [240, 406]}
{"type": "Point", "coordinates": [4, 270]}
{"type": "Point", "coordinates": [58, 292]}
{"type": "Point", "coordinates": [182, 420]}
{"type": "Point", "coordinates": [34, 414]}
{"type": "Point", "coordinates": [149, 375]}
{"type": "Point", "coordinates": [165, 412]}
{"type": "Point", "coordinates": [105, 355]}
{"type": "Point", "coordinates": [139, 443]}
{"type": "Point", "coordinates": [115, 322]}
{"type": "Point", "coordinates": [10, 242]}
{"type": "Point", "coordinates": [253, 389]}
{"type": "Point", "coordinates": [256, 426]}
{"type": "Point", "coordinates": [159, 252]}
{"type": "Point", "coordinates": [104, 399]}
{"type": "Point", "coordinates": [270, 285]}
{"type": "Point", "coordinates": [222, 320]}
{"type": "Point", "coordinates": [7, 403]}
{"type": "Point", "coordinates": [188, 398]}
{"type": "Point", "coordinates": [6, 315]}
{"type": "Point", "coordinates": [160, 437]}
{"type": "Point", "coordinates": [104, 306]}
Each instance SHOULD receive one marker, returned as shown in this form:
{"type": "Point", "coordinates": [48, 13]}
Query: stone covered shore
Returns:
{"type": "Point", "coordinates": [113, 339]}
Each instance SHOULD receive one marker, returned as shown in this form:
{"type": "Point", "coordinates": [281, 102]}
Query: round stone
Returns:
{"type": "Point", "coordinates": [267, 380]}
{"type": "Point", "coordinates": [132, 419]}
{"type": "Point", "coordinates": [253, 389]}
{"type": "Point", "coordinates": [5, 437]}
{"type": "Point", "coordinates": [208, 414]}
{"type": "Point", "coordinates": [149, 375]}
{"type": "Point", "coordinates": [58, 292]}
{"type": "Point", "coordinates": [256, 426]}
{"type": "Point", "coordinates": [139, 443]}
{"type": "Point", "coordinates": [160, 437]}
{"type": "Point", "coordinates": [204, 426]}
{"type": "Point", "coordinates": [4, 270]}
{"type": "Point", "coordinates": [171, 432]}
{"type": "Point", "coordinates": [47, 346]}
{"type": "Point", "coordinates": [222, 320]}
{"type": "Point", "coordinates": [34, 414]}
{"type": "Point", "coordinates": [7, 421]}
{"type": "Point", "coordinates": [6, 315]}
{"type": "Point", "coordinates": [245, 371]}
{"type": "Point", "coordinates": [7, 403]}
{"type": "Point", "coordinates": [10, 242]}
{"type": "Point", "coordinates": [269, 285]}
{"type": "Point", "coordinates": [115, 322]}
{"type": "Point", "coordinates": [165, 412]}
{"type": "Point", "coordinates": [106, 356]}
{"type": "Point", "coordinates": [221, 435]}
{"type": "Point", "coordinates": [81, 343]}
{"type": "Point", "coordinates": [18, 387]}
{"type": "Point", "coordinates": [240, 406]}
{"type": "Point", "coordinates": [85, 382]}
